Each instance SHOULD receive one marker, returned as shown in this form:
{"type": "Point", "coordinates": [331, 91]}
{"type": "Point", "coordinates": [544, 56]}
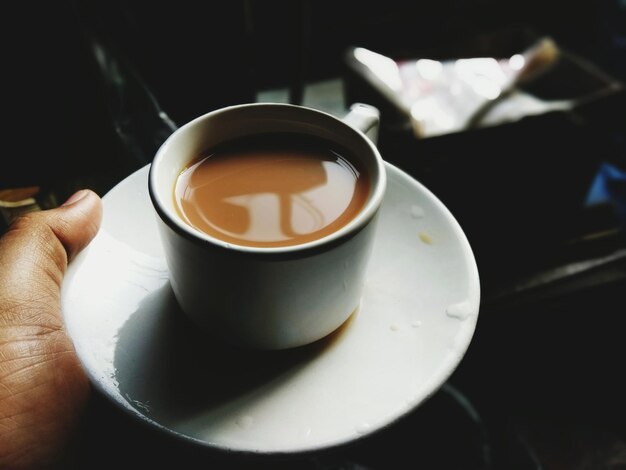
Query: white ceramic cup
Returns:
{"type": "Point", "coordinates": [267, 298]}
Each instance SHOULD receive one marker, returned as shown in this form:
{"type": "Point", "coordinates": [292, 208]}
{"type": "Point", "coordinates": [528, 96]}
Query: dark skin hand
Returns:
{"type": "Point", "coordinates": [43, 389]}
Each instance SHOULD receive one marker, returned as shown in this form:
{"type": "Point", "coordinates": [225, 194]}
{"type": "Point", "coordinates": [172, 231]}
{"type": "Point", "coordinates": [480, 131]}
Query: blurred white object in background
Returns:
{"type": "Point", "coordinates": [441, 97]}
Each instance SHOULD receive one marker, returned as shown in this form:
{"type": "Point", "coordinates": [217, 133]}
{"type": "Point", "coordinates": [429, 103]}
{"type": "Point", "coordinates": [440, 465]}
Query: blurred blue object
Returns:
{"type": "Point", "coordinates": [609, 186]}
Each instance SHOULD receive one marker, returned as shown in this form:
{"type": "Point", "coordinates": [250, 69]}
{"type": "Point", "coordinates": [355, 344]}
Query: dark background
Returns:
{"type": "Point", "coordinates": [82, 84]}
{"type": "Point", "coordinates": [198, 56]}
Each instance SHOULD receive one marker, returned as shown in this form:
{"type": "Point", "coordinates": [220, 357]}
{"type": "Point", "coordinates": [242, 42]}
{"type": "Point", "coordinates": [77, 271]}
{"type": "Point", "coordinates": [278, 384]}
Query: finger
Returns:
{"type": "Point", "coordinates": [76, 222]}
{"type": "Point", "coordinates": [37, 247]}
{"type": "Point", "coordinates": [73, 226]}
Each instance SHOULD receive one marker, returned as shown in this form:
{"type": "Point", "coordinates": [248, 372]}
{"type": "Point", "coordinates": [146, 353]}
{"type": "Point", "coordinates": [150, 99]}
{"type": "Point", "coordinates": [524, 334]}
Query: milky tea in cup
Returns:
{"type": "Point", "coordinates": [266, 214]}
{"type": "Point", "coordinates": [271, 190]}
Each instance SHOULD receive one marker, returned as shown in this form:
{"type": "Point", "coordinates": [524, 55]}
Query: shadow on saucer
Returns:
{"type": "Point", "coordinates": [170, 370]}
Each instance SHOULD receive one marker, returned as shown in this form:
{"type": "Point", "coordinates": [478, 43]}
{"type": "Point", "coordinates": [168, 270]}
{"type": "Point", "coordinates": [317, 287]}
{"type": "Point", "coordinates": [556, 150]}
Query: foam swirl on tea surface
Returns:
{"type": "Point", "coordinates": [268, 191]}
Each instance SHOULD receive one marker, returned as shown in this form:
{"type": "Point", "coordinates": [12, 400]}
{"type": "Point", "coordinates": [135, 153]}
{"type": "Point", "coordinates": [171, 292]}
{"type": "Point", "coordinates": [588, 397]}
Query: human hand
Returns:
{"type": "Point", "coordinates": [43, 389]}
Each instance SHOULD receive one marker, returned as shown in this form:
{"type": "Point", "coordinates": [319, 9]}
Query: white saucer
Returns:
{"type": "Point", "coordinates": [416, 321]}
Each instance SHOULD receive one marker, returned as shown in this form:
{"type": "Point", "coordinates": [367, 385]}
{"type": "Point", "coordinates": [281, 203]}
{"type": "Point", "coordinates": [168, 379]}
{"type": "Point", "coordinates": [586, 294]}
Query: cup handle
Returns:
{"type": "Point", "coordinates": [365, 118]}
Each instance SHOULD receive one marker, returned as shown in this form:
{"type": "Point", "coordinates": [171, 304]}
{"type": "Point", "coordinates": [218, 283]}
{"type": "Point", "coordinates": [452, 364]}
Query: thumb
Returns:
{"type": "Point", "coordinates": [76, 222]}
{"type": "Point", "coordinates": [37, 247]}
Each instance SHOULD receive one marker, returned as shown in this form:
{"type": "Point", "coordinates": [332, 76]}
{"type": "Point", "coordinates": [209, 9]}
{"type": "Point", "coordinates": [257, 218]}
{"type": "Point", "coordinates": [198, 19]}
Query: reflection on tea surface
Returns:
{"type": "Point", "coordinates": [271, 191]}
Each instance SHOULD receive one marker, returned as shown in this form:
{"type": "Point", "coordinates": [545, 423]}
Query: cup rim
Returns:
{"type": "Point", "coordinates": [367, 213]}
